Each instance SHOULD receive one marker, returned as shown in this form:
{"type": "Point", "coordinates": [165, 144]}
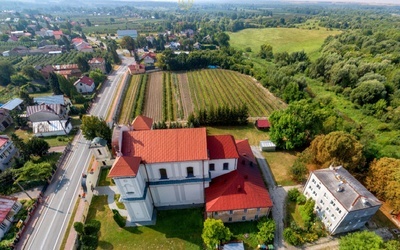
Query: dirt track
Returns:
{"type": "Point", "coordinates": [185, 95]}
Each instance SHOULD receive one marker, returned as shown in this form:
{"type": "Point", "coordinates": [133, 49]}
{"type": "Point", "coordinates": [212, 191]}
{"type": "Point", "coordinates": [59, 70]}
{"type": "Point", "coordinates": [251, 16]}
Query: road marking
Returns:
{"type": "Point", "coordinates": [59, 205]}
{"type": "Point", "coordinates": [70, 204]}
{"type": "Point", "coordinates": [47, 210]}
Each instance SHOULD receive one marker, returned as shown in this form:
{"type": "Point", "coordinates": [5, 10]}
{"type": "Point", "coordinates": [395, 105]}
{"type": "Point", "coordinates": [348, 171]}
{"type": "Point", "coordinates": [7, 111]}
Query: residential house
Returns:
{"type": "Point", "coordinates": [9, 206]}
{"type": "Point", "coordinates": [5, 119]}
{"type": "Point", "coordinates": [19, 51]}
{"type": "Point", "coordinates": [53, 99]}
{"type": "Point", "coordinates": [174, 167]}
{"type": "Point", "coordinates": [17, 33]}
{"type": "Point", "coordinates": [14, 104]}
{"type": "Point", "coordinates": [197, 46]}
{"type": "Point", "coordinates": [100, 151]}
{"type": "Point", "coordinates": [58, 34]}
{"type": "Point", "coordinates": [67, 70]}
{"type": "Point", "coordinates": [173, 46]}
{"type": "Point", "coordinates": [81, 45]}
{"type": "Point", "coordinates": [49, 119]}
{"type": "Point", "coordinates": [149, 59]}
{"type": "Point", "coordinates": [85, 85]}
{"type": "Point", "coordinates": [136, 68]}
{"type": "Point", "coordinates": [341, 202]}
{"type": "Point", "coordinates": [98, 63]}
{"type": "Point", "coordinates": [262, 124]}
{"type": "Point", "coordinates": [7, 152]}
{"type": "Point", "coordinates": [131, 33]}
{"type": "Point", "coordinates": [45, 71]}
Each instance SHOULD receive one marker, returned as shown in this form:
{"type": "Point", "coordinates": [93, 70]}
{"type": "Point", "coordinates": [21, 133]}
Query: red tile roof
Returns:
{"type": "Point", "coordinates": [142, 122]}
{"type": "Point", "coordinates": [57, 32]}
{"type": "Point", "coordinates": [6, 204]}
{"type": "Point", "coordinates": [222, 147]}
{"type": "Point", "coordinates": [77, 40]}
{"type": "Point", "coordinates": [166, 145]}
{"type": "Point", "coordinates": [125, 166]}
{"type": "Point", "coordinates": [3, 141]}
{"type": "Point", "coordinates": [96, 60]}
{"type": "Point", "coordinates": [85, 80]}
{"type": "Point", "coordinates": [240, 189]}
{"type": "Point", "coordinates": [263, 123]}
{"type": "Point", "coordinates": [150, 54]}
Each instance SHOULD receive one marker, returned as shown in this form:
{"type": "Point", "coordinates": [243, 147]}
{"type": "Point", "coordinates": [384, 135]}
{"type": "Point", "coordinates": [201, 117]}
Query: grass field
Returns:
{"type": "Point", "coordinates": [281, 39]}
{"type": "Point", "coordinates": [280, 162]}
{"type": "Point", "coordinates": [175, 229]}
{"type": "Point", "coordinates": [240, 132]}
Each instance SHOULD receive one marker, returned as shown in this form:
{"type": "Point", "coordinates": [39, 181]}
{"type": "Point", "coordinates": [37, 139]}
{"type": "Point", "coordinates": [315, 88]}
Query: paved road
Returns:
{"type": "Point", "coordinates": [49, 229]}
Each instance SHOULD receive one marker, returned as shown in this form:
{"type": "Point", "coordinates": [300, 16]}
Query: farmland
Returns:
{"type": "Point", "coordinates": [282, 39]}
{"type": "Point", "coordinates": [172, 96]}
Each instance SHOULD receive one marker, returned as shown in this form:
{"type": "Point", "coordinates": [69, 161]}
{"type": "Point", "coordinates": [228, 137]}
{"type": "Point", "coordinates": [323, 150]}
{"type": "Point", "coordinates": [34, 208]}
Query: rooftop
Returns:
{"type": "Point", "coordinates": [240, 189]}
{"type": "Point", "coordinates": [12, 104]}
{"type": "Point", "coordinates": [352, 195]}
{"type": "Point", "coordinates": [222, 147]}
{"type": "Point", "coordinates": [85, 80]}
{"type": "Point", "coordinates": [51, 99]}
{"type": "Point", "coordinates": [142, 122]}
{"type": "Point", "coordinates": [263, 123]}
{"type": "Point", "coordinates": [3, 141]}
{"type": "Point", "coordinates": [166, 145]}
{"type": "Point", "coordinates": [125, 166]}
{"type": "Point", "coordinates": [6, 204]}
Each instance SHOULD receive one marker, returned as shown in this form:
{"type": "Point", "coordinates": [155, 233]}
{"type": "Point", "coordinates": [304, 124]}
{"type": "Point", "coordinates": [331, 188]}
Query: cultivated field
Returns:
{"type": "Point", "coordinates": [154, 97]}
{"type": "Point", "coordinates": [281, 39]}
{"type": "Point", "coordinates": [172, 96]}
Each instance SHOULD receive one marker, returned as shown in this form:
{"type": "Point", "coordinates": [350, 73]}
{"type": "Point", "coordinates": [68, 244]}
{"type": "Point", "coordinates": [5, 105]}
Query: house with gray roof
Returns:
{"type": "Point", "coordinates": [341, 202]}
{"type": "Point", "coordinates": [13, 104]}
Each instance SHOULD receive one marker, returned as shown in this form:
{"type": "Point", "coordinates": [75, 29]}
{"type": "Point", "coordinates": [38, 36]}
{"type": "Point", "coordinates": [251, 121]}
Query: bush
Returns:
{"type": "Point", "coordinates": [92, 228]}
{"type": "Point", "coordinates": [121, 221]}
{"type": "Point", "coordinates": [293, 194]}
{"type": "Point", "coordinates": [301, 199]}
{"type": "Point", "coordinates": [298, 171]}
{"type": "Point", "coordinates": [292, 237]}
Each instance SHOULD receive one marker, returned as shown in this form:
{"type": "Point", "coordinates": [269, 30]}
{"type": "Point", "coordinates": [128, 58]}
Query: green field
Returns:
{"type": "Point", "coordinates": [281, 39]}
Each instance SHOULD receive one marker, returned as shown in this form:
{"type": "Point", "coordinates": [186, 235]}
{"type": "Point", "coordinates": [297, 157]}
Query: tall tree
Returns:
{"type": "Point", "coordinates": [93, 127]}
{"type": "Point", "coordinates": [82, 62]}
{"type": "Point", "coordinates": [383, 179]}
{"type": "Point", "coordinates": [340, 148]}
{"type": "Point", "coordinates": [37, 146]}
{"type": "Point", "coordinates": [223, 39]}
{"type": "Point", "coordinates": [34, 171]}
{"type": "Point", "coordinates": [297, 125]}
{"type": "Point", "coordinates": [214, 231]}
{"type": "Point", "coordinates": [128, 43]}
{"type": "Point", "coordinates": [361, 240]}
{"type": "Point", "coordinates": [266, 52]}
{"type": "Point", "coordinates": [266, 231]}
{"type": "Point", "coordinates": [6, 70]}
{"type": "Point", "coordinates": [55, 86]}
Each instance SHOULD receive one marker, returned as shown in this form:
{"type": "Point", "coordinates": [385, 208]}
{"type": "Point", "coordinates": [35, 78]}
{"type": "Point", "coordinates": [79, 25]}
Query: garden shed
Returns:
{"type": "Point", "coordinates": [262, 124]}
{"type": "Point", "coordinates": [267, 145]}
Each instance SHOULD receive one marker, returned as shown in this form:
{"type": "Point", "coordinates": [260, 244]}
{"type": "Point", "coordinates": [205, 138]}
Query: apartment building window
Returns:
{"type": "Point", "coordinates": [256, 217]}
{"type": "Point", "coordinates": [318, 186]}
{"type": "Point", "coordinates": [189, 171]}
{"type": "Point", "coordinates": [211, 166]}
{"type": "Point", "coordinates": [231, 212]}
{"type": "Point", "coordinates": [3, 226]}
{"type": "Point", "coordinates": [226, 166]}
{"type": "Point", "coordinates": [258, 209]}
{"type": "Point", "coordinates": [15, 206]}
{"type": "Point", "coordinates": [216, 213]}
{"type": "Point", "coordinates": [99, 151]}
{"type": "Point", "coordinates": [245, 210]}
{"type": "Point", "coordinates": [230, 219]}
{"type": "Point", "coordinates": [163, 173]}
{"type": "Point", "coordinates": [243, 217]}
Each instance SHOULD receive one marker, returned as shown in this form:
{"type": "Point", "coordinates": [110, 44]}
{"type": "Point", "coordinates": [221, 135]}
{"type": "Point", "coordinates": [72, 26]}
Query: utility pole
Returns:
{"type": "Point", "coordinates": [23, 190]}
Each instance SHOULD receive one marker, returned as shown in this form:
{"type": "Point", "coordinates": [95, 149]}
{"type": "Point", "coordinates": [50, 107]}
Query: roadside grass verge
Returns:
{"type": "Point", "coordinates": [103, 179]}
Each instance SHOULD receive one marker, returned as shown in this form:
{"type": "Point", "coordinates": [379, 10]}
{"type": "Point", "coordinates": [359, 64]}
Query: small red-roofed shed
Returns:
{"type": "Point", "coordinates": [263, 124]}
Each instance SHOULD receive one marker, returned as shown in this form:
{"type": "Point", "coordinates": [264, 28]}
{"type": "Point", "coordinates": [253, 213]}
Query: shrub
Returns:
{"type": "Point", "coordinates": [293, 194]}
{"type": "Point", "coordinates": [301, 199]}
{"type": "Point", "coordinates": [298, 171]}
{"type": "Point", "coordinates": [121, 221]}
{"type": "Point", "coordinates": [292, 237]}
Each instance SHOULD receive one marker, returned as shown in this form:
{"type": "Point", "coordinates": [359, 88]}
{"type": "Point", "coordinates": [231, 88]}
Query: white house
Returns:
{"type": "Point", "coordinates": [9, 206]}
{"type": "Point", "coordinates": [51, 128]}
{"type": "Point", "coordinates": [7, 152]}
{"type": "Point", "coordinates": [85, 85]}
{"type": "Point", "coordinates": [173, 168]}
{"type": "Point", "coordinates": [342, 202]}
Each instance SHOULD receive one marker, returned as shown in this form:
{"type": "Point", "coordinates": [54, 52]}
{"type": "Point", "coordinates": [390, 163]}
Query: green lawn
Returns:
{"type": "Point", "coordinates": [280, 162]}
{"type": "Point", "coordinates": [240, 132]}
{"type": "Point", "coordinates": [292, 210]}
{"type": "Point", "coordinates": [281, 39]}
{"type": "Point", "coordinates": [103, 179]}
{"type": "Point", "coordinates": [246, 232]}
{"type": "Point", "coordinates": [175, 229]}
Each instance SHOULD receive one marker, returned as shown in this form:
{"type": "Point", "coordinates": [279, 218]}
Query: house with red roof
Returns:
{"type": "Point", "coordinates": [149, 59]}
{"type": "Point", "coordinates": [168, 168]}
{"type": "Point", "coordinates": [85, 85]}
{"type": "Point", "coordinates": [263, 124]}
{"type": "Point", "coordinates": [136, 68]}
{"type": "Point", "coordinates": [57, 34]}
{"type": "Point", "coordinates": [9, 206]}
